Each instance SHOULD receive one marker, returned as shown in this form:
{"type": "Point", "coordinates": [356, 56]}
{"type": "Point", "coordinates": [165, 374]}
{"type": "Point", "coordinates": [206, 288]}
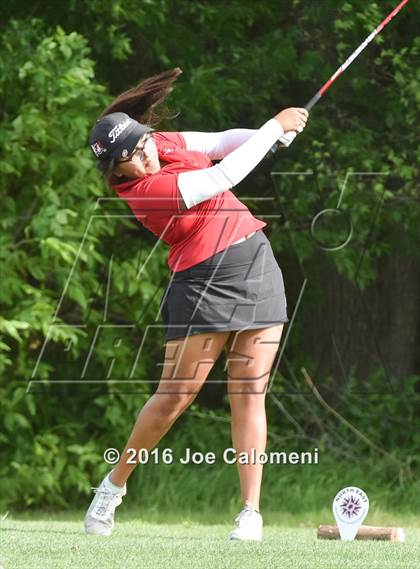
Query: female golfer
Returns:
{"type": "Point", "coordinates": [226, 288]}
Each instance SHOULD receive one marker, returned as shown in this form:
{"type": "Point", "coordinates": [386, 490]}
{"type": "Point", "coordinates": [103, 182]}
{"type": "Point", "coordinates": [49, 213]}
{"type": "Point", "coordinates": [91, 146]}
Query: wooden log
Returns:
{"type": "Point", "coordinates": [365, 532]}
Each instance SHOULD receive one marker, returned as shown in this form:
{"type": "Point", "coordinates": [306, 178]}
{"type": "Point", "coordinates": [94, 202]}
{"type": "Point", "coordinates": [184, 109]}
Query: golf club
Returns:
{"type": "Point", "coordinates": [288, 137]}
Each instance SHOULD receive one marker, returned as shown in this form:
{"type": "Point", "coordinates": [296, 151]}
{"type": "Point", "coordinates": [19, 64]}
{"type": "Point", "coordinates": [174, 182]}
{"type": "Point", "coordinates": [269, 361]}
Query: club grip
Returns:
{"type": "Point", "coordinates": [287, 138]}
{"type": "Point", "coordinates": [284, 141]}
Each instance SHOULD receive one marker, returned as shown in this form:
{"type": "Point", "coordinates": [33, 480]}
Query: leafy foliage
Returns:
{"type": "Point", "coordinates": [70, 259]}
{"type": "Point", "coordinates": [49, 189]}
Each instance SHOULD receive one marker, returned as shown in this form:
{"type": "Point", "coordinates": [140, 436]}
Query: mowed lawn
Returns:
{"type": "Point", "coordinates": [52, 544]}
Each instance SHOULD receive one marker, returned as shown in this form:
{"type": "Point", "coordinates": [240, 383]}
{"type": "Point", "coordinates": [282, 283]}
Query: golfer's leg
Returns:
{"type": "Point", "coordinates": [187, 364]}
{"type": "Point", "coordinates": [249, 364]}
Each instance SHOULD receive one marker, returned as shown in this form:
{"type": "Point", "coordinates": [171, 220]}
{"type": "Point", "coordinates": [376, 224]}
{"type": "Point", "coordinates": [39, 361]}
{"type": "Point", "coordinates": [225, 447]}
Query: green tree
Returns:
{"type": "Point", "coordinates": [242, 62]}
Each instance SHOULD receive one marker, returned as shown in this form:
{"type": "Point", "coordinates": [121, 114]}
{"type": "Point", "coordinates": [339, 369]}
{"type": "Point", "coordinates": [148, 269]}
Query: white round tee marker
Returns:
{"type": "Point", "coordinates": [350, 507]}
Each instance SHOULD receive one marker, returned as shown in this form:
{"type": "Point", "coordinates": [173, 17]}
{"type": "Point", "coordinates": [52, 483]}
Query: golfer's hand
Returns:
{"type": "Point", "coordinates": [293, 119]}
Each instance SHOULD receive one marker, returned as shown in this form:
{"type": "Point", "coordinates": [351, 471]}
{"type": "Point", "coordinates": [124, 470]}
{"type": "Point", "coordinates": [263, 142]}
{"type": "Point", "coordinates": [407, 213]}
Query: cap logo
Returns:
{"type": "Point", "coordinates": [98, 148]}
{"type": "Point", "coordinates": [117, 130]}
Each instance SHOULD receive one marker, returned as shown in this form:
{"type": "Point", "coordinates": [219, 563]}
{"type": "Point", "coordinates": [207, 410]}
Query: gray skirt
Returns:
{"type": "Point", "coordinates": [239, 288]}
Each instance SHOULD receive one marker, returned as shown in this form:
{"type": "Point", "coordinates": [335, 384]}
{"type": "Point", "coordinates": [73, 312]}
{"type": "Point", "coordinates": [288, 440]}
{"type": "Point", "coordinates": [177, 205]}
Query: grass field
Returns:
{"type": "Point", "coordinates": [58, 542]}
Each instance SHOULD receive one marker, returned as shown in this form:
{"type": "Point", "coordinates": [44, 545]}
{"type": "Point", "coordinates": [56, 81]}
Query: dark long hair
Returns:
{"type": "Point", "coordinates": [140, 102]}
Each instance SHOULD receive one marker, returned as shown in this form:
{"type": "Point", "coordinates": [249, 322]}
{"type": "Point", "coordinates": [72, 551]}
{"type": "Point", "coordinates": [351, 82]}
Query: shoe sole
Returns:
{"type": "Point", "coordinates": [105, 534]}
{"type": "Point", "coordinates": [245, 538]}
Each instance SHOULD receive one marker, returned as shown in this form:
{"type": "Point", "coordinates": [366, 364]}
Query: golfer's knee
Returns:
{"type": "Point", "coordinates": [170, 405]}
{"type": "Point", "coordinates": [249, 392]}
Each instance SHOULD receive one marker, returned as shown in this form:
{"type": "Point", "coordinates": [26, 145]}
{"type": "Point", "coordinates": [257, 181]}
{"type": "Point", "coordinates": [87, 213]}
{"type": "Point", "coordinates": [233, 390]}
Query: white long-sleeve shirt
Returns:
{"type": "Point", "coordinates": [240, 149]}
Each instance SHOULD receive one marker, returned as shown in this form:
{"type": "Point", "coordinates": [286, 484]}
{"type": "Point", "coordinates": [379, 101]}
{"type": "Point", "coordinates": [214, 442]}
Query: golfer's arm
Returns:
{"type": "Point", "coordinates": [197, 186]}
{"type": "Point", "coordinates": [217, 145]}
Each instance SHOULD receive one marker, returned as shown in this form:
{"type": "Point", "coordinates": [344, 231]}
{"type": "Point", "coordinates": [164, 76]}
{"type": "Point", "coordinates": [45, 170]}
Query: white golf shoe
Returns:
{"type": "Point", "coordinates": [249, 524]}
{"type": "Point", "coordinates": [99, 519]}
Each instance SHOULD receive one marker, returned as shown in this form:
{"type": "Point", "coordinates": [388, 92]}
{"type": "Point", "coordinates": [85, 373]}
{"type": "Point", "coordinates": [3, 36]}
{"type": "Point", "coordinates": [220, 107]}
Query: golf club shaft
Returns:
{"type": "Point", "coordinates": [288, 137]}
{"type": "Point", "coordinates": [353, 56]}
